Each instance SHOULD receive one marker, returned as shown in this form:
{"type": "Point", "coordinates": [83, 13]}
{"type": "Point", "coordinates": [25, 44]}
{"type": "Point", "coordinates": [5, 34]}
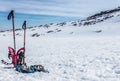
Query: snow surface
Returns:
{"type": "Point", "coordinates": [90, 53]}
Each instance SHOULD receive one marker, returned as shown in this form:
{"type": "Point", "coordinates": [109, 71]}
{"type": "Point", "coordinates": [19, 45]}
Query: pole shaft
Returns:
{"type": "Point", "coordinates": [24, 43]}
{"type": "Point", "coordinates": [24, 37]}
{"type": "Point", "coordinates": [14, 33]}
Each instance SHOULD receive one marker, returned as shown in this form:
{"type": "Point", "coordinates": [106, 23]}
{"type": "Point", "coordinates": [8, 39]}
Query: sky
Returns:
{"type": "Point", "coordinates": [58, 7]}
{"type": "Point", "coordinates": [63, 8]}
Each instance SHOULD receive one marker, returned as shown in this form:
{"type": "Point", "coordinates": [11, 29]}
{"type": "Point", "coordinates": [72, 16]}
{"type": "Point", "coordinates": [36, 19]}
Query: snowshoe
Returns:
{"type": "Point", "coordinates": [33, 68]}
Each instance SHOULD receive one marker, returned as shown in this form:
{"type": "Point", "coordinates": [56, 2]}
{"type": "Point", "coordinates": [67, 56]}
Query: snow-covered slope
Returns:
{"type": "Point", "coordinates": [70, 53]}
{"type": "Point", "coordinates": [97, 18]}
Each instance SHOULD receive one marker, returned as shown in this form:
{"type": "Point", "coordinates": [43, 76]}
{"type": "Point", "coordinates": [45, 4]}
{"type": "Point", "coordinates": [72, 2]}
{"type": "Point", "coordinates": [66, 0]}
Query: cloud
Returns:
{"type": "Point", "coordinates": [58, 7]}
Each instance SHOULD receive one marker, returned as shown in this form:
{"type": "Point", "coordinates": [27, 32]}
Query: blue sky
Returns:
{"type": "Point", "coordinates": [58, 7]}
{"type": "Point", "coordinates": [65, 8]}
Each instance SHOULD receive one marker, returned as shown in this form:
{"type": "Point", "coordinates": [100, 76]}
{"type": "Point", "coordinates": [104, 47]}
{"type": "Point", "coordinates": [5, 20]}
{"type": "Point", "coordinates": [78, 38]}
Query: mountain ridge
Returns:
{"type": "Point", "coordinates": [91, 20]}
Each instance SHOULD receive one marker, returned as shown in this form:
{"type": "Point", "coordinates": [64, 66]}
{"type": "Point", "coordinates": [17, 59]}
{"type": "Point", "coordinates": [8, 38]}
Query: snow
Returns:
{"type": "Point", "coordinates": [89, 53]}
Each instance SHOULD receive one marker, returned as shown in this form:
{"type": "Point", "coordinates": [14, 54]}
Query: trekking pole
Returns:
{"type": "Point", "coordinates": [11, 15]}
{"type": "Point", "coordinates": [24, 27]}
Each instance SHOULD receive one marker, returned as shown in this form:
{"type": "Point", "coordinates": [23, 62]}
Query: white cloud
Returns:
{"type": "Point", "coordinates": [58, 7]}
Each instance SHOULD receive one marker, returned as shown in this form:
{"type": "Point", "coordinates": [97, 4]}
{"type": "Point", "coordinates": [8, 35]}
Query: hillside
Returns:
{"type": "Point", "coordinates": [81, 52]}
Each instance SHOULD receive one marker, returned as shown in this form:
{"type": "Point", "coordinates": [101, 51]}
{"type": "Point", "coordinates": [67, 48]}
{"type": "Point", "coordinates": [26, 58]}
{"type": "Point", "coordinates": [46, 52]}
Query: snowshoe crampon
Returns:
{"type": "Point", "coordinates": [6, 63]}
{"type": "Point", "coordinates": [39, 68]}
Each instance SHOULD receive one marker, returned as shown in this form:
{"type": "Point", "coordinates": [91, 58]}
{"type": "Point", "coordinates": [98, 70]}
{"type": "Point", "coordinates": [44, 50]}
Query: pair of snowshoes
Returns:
{"type": "Point", "coordinates": [18, 57]}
